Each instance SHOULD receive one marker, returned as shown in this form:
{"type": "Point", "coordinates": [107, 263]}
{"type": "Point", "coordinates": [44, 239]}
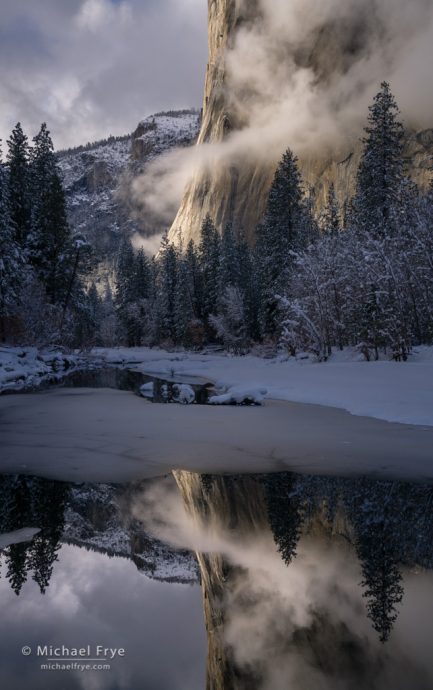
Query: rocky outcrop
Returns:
{"type": "Point", "coordinates": [99, 518]}
{"type": "Point", "coordinates": [238, 190]}
{"type": "Point", "coordinates": [98, 179]}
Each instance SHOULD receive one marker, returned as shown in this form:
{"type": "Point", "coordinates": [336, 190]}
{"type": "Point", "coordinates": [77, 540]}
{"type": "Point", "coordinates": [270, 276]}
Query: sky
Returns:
{"type": "Point", "coordinates": [91, 68]}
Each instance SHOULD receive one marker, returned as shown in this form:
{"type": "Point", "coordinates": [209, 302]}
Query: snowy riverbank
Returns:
{"type": "Point", "coordinates": [27, 367]}
{"type": "Point", "coordinates": [390, 391]}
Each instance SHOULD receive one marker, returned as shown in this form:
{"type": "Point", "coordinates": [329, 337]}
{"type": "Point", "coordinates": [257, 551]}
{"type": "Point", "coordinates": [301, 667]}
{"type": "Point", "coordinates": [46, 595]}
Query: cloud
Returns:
{"type": "Point", "coordinates": [303, 75]}
{"type": "Point", "coordinates": [94, 67]}
{"type": "Point", "coordinates": [150, 245]}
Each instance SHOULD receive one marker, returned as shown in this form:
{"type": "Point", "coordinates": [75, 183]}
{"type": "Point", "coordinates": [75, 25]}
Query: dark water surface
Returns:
{"type": "Point", "coordinates": [308, 582]}
{"type": "Point", "coordinates": [161, 390]}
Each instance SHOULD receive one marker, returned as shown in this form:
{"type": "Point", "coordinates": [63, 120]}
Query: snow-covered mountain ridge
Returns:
{"type": "Point", "coordinates": [98, 518]}
{"type": "Point", "coordinates": [98, 179]}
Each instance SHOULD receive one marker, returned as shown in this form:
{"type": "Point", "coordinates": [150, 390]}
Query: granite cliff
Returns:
{"type": "Point", "coordinates": [236, 188]}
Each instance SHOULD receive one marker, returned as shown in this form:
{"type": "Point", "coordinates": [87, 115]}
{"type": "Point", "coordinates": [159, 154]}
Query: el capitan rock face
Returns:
{"type": "Point", "coordinates": [238, 190]}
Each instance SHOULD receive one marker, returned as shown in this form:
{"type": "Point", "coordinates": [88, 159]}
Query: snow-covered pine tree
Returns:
{"type": "Point", "coordinates": [109, 327]}
{"type": "Point", "coordinates": [125, 295]}
{"type": "Point", "coordinates": [12, 262]}
{"type": "Point", "coordinates": [377, 203]}
{"type": "Point", "coordinates": [167, 283]}
{"type": "Point", "coordinates": [248, 284]}
{"type": "Point", "coordinates": [141, 276]}
{"type": "Point", "coordinates": [330, 217]}
{"type": "Point", "coordinates": [277, 236]}
{"type": "Point", "coordinates": [196, 282]}
{"type": "Point", "coordinates": [230, 323]}
{"type": "Point", "coordinates": [49, 243]}
{"type": "Point", "coordinates": [229, 272]}
{"type": "Point", "coordinates": [209, 253]}
{"type": "Point", "coordinates": [18, 180]}
{"type": "Point", "coordinates": [184, 316]}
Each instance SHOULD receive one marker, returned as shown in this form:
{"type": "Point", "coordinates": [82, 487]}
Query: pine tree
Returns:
{"type": "Point", "coordinates": [184, 304]}
{"type": "Point", "coordinates": [329, 220]}
{"type": "Point", "coordinates": [209, 257]}
{"type": "Point", "coordinates": [125, 294]}
{"type": "Point", "coordinates": [11, 258]}
{"type": "Point", "coordinates": [196, 282]}
{"type": "Point", "coordinates": [229, 272]}
{"type": "Point", "coordinates": [377, 202]}
{"type": "Point", "coordinates": [42, 167]}
{"type": "Point", "coordinates": [50, 246]}
{"type": "Point", "coordinates": [377, 545]}
{"type": "Point", "coordinates": [277, 236]}
{"type": "Point", "coordinates": [166, 292]}
{"type": "Point", "coordinates": [284, 513]}
{"type": "Point", "coordinates": [141, 276]}
{"type": "Point", "coordinates": [230, 323]}
{"type": "Point", "coordinates": [19, 187]}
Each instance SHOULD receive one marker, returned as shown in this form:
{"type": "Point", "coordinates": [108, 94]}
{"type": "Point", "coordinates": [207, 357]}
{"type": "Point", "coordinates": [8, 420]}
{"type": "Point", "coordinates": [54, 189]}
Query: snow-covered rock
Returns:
{"type": "Point", "coordinates": [146, 390]}
{"type": "Point", "coordinates": [98, 518]}
{"type": "Point", "coordinates": [184, 394]}
{"type": "Point", "coordinates": [240, 395]}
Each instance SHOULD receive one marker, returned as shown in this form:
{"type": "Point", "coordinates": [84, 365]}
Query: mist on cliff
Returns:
{"type": "Point", "coordinates": [303, 625]}
{"type": "Point", "coordinates": [302, 74]}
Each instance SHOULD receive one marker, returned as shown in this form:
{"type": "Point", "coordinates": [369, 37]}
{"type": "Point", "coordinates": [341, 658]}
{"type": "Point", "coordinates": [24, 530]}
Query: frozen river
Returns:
{"type": "Point", "coordinates": [103, 435]}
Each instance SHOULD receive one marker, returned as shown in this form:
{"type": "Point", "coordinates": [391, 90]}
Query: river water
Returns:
{"type": "Point", "coordinates": [259, 581]}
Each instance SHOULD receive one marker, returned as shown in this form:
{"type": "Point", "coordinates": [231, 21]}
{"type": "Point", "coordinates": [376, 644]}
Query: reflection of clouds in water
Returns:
{"type": "Point", "coordinates": [93, 599]}
{"type": "Point", "coordinates": [302, 626]}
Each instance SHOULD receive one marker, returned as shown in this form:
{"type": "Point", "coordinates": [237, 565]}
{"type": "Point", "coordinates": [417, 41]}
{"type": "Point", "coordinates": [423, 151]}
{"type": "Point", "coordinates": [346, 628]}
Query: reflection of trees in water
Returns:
{"type": "Point", "coordinates": [284, 513]}
{"type": "Point", "coordinates": [390, 524]}
{"type": "Point", "coordinates": [32, 502]}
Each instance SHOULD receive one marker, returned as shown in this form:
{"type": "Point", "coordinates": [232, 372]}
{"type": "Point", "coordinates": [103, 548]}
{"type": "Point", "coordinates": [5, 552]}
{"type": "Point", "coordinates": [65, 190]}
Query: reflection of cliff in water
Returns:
{"type": "Point", "coordinates": [258, 637]}
{"type": "Point", "coordinates": [94, 517]}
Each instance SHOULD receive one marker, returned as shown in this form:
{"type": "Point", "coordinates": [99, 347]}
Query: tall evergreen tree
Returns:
{"type": "Point", "coordinates": [167, 283]}
{"type": "Point", "coordinates": [377, 543]}
{"type": "Point", "coordinates": [11, 257]}
{"type": "Point", "coordinates": [125, 285]}
{"type": "Point", "coordinates": [284, 513]}
{"type": "Point", "coordinates": [277, 236]}
{"type": "Point", "coordinates": [229, 263]}
{"type": "Point", "coordinates": [184, 303]}
{"type": "Point", "coordinates": [330, 221]}
{"type": "Point", "coordinates": [209, 256]}
{"type": "Point", "coordinates": [49, 243]}
{"type": "Point", "coordinates": [19, 187]}
{"type": "Point", "coordinates": [196, 283]}
{"type": "Point", "coordinates": [377, 202]}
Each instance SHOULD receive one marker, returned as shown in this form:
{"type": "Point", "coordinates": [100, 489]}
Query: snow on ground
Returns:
{"type": "Point", "coordinates": [28, 367]}
{"type": "Point", "coordinates": [391, 391]}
